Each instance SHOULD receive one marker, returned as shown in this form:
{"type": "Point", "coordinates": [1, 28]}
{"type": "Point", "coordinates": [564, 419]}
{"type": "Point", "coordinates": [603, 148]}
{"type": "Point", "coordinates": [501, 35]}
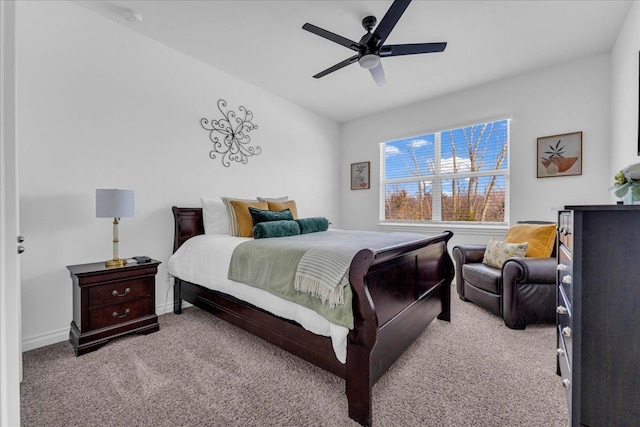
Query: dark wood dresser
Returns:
{"type": "Point", "coordinates": [109, 302]}
{"type": "Point", "coordinates": [598, 313]}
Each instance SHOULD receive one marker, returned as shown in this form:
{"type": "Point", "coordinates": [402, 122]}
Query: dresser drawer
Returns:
{"type": "Point", "coordinates": [565, 371]}
{"type": "Point", "coordinates": [565, 334]}
{"type": "Point", "coordinates": [565, 274]}
{"type": "Point", "coordinates": [120, 291]}
{"type": "Point", "coordinates": [565, 229]}
{"type": "Point", "coordinates": [118, 313]}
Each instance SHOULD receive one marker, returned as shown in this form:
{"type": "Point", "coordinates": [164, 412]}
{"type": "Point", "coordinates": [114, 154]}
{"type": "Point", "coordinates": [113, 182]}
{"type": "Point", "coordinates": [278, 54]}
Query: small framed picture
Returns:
{"type": "Point", "coordinates": [360, 176]}
{"type": "Point", "coordinates": [560, 155]}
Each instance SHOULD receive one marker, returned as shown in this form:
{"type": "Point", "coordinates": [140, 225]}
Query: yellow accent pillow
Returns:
{"type": "Point", "coordinates": [541, 238]}
{"type": "Point", "coordinates": [244, 220]}
{"type": "Point", "coordinates": [498, 252]}
{"type": "Point", "coordinates": [280, 206]}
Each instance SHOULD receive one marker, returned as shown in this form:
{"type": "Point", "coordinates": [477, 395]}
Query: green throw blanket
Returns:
{"type": "Point", "coordinates": [319, 260]}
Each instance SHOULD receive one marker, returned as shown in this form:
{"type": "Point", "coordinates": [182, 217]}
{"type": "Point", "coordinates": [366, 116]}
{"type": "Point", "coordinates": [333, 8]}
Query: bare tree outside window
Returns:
{"type": "Point", "coordinates": [457, 175]}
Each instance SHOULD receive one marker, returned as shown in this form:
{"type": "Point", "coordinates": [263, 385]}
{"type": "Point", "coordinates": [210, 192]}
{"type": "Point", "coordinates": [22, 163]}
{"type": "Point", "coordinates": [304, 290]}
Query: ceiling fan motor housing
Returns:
{"type": "Point", "coordinates": [368, 22]}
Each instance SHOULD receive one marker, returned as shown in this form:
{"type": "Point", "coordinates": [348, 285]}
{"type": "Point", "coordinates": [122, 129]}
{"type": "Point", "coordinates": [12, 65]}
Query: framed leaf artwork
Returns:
{"type": "Point", "coordinates": [360, 175]}
{"type": "Point", "coordinates": [559, 155]}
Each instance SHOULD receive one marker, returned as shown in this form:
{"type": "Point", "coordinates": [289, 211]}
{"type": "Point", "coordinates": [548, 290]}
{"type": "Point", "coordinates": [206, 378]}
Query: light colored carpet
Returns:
{"type": "Point", "coordinates": [200, 371]}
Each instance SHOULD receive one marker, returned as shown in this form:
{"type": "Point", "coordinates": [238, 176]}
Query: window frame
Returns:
{"type": "Point", "coordinates": [437, 178]}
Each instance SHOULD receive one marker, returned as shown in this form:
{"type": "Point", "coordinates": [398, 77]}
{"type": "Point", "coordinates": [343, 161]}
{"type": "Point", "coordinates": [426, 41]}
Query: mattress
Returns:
{"type": "Point", "coordinates": [204, 260]}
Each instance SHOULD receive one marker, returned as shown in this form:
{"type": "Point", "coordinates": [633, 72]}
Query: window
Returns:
{"type": "Point", "coordinates": [456, 175]}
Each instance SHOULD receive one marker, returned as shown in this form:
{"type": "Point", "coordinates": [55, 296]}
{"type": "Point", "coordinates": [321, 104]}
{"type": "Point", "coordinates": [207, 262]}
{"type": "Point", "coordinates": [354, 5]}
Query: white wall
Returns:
{"type": "Point", "coordinates": [100, 106]}
{"type": "Point", "coordinates": [566, 98]}
{"type": "Point", "coordinates": [624, 93]}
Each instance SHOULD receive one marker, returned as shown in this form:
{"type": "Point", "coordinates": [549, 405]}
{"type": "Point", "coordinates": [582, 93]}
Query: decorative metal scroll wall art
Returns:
{"type": "Point", "coordinates": [234, 128]}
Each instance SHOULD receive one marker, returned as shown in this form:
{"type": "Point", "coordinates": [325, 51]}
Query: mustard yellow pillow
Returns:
{"type": "Point", "coordinates": [280, 206]}
{"type": "Point", "coordinates": [244, 221]}
{"type": "Point", "coordinates": [498, 252]}
{"type": "Point", "coordinates": [541, 238]}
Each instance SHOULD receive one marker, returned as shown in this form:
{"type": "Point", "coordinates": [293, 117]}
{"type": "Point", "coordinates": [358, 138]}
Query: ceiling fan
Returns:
{"type": "Point", "coordinates": [371, 46]}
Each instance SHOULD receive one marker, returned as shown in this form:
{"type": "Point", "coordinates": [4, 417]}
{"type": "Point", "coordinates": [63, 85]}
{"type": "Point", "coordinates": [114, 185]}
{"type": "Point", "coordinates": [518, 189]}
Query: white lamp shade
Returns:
{"type": "Point", "coordinates": [112, 203]}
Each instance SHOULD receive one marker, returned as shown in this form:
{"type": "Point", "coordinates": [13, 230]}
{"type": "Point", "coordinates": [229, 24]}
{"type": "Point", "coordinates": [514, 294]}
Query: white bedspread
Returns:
{"type": "Point", "coordinates": [204, 260]}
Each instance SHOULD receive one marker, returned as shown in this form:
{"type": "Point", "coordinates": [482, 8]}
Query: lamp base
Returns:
{"type": "Point", "coordinates": [116, 263]}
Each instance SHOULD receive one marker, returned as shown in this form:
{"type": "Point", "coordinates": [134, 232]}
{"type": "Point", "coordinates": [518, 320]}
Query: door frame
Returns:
{"type": "Point", "coordinates": [10, 313]}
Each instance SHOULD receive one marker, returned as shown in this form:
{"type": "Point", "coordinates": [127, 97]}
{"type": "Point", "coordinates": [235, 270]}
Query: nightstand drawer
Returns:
{"type": "Point", "coordinates": [118, 313]}
{"type": "Point", "coordinates": [120, 291]}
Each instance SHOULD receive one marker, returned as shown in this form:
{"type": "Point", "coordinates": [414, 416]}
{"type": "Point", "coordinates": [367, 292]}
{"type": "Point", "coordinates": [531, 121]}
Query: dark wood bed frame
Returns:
{"type": "Point", "coordinates": [397, 292]}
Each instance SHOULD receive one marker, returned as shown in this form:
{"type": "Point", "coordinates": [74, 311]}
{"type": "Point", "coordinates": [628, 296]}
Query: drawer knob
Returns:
{"type": "Point", "coordinates": [561, 309]}
{"type": "Point", "coordinates": [120, 316]}
{"type": "Point", "coordinates": [566, 383]}
{"type": "Point", "coordinates": [560, 352]}
{"type": "Point", "coordinates": [562, 267]}
{"type": "Point", "coordinates": [116, 294]}
{"type": "Point", "coordinates": [566, 331]}
{"type": "Point", "coordinates": [566, 280]}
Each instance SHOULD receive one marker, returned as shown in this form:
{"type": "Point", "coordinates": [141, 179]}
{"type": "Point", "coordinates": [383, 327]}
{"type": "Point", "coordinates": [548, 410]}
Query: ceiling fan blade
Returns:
{"type": "Point", "coordinates": [389, 21]}
{"type": "Point", "coordinates": [332, 37]}
{"type": "Point", "coordinates": [337, 67]}
{"type": "Point", "coordinates": [378, 74]}
{"type": "Point", "coordinates": [411, 48]}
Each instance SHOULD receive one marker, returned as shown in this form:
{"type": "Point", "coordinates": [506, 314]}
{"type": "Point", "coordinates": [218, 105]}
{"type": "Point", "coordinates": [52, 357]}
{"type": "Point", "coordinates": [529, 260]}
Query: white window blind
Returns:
{"type": "Point", "coordinates": [454, 175]}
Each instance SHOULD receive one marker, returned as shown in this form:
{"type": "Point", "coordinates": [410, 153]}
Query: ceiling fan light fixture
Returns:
{"type": "Point", "coordinates": [369, 61]}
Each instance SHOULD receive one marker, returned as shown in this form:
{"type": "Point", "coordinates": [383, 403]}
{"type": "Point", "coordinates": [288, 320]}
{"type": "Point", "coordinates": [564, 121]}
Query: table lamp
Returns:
{"type": "Point", "coordinates": [116, 204]}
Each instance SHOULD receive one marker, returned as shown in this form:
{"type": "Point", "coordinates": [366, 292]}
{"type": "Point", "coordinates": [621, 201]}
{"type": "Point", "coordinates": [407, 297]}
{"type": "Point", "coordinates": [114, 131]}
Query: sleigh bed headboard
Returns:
{"type": "Point", "coordinates": [188, 223]}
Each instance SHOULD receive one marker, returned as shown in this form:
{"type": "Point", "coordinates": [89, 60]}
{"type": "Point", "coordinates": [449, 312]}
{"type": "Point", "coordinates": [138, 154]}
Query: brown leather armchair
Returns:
{"type": "Point", "coordinates": [522, 292]}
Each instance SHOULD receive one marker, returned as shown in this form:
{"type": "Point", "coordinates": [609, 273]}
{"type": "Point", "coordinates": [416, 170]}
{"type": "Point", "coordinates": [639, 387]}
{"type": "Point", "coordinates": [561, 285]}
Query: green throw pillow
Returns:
{"type": "Point", "coordinates": [281, 228]}
{"type": "Point", "coordinates": [313, 224]}
{"type": "Point", "coordinates": [261, 215]}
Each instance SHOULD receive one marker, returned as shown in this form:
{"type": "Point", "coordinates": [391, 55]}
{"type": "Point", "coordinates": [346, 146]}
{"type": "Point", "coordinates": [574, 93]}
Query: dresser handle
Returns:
{"type": "Point", "coordinates": [566, 383]}
{"type": "Point", "coordinates": [560, 352]}
{"type": "Point", "coordinates": [115, 314]}
{"type": "Point", "coordinates": [561, 310]}
{"type": "Point", "coordinates": [566, 331]}
{"type": "Point", "coordinates": [116, 294]}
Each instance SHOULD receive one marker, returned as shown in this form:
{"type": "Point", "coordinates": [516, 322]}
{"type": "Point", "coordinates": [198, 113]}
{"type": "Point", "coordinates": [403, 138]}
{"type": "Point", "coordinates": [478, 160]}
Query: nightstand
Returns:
{"type": "Point", "coordinates": [109, 302]}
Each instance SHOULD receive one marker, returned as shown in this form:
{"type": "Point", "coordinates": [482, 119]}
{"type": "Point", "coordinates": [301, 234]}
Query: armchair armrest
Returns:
{"type": "Point", "coordinates": [528, 291]}
{"type": "Point", "coordinates": [465, 254]}
{"type": "Point", "coordinates": [529, 270]}
{"type": "Point", "coordinates": [468, 253]}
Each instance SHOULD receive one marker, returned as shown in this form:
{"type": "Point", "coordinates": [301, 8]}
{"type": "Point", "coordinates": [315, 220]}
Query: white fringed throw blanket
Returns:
{"type": "Point", "coordinates": [323, 273]}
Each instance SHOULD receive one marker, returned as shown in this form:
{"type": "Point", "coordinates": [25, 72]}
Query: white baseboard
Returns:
{"type": "Point", "coordinates": [48, 338]}
{"type": "Point", "coordinates": [60, 335]}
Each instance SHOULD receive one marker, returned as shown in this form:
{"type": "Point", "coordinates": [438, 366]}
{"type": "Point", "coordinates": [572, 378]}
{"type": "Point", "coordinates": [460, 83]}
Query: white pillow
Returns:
{"type": "Point", "coordinates": [214, 216]}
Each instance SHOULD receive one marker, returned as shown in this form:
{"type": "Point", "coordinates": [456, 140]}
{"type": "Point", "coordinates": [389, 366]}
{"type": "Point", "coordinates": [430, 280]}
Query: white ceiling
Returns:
{"type": "Point", "coordinates": [262, 42]}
